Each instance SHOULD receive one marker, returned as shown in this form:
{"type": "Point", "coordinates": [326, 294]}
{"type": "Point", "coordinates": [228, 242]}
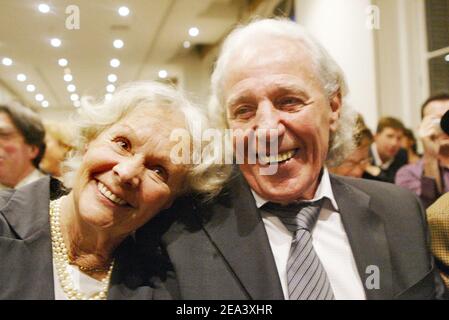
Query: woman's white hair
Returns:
{"type": "Point", "coordinates": [241, 40]}
{"type": "Point", "coordinates": [205, 177]}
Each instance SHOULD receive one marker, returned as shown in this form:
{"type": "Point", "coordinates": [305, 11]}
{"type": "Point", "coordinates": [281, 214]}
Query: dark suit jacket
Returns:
{"type": "Point", "coordinates": [26, 270]}
{"type": "Point", "coordinates": [221, 250]}
{"type": "Point", "coordinates": [388, 175]}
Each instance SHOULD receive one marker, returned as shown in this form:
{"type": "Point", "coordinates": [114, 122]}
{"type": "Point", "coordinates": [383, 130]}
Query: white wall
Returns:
{"type": "Point", "coordinates": [340, 25]}
{"type": "Point", "coordinates": [402, 66]}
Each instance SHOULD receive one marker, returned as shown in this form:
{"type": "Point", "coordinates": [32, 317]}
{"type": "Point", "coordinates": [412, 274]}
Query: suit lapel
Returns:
{"type": "Point", "coordinates": [367, 237]}
{"type": "Point", "coordinates": [239, 235]}
{"type": "Point", "coordinates": [26, 265]}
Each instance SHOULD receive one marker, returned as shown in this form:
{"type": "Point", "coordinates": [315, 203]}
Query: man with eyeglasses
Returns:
{"type": "Point", "coordinates": [22, 146]}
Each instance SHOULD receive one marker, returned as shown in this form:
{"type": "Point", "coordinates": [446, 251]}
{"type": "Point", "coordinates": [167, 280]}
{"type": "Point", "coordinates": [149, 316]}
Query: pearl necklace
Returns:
{"type": "Point", "coordinates": [61, 258]}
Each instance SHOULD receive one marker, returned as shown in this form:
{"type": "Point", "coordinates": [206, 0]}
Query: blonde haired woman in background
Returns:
{"type": "Point", "coordinates": [59, 139]}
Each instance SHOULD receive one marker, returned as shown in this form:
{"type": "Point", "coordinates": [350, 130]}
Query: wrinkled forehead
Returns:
{"type": "Point", "coordinates": [269, 53]}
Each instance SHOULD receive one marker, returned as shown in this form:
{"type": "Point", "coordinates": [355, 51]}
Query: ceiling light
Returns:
{"type": "Point", "coordinates": [118, 44]}
{"type": "Point", "coordinates": [44, 8]}
{"type": "Point", "coordinates": [31, 88]}
{"type": "Point", "coordinates": [77, 104]}
{"type": "Point", "coordinates": [68, 77]}
{"type": "Point", "coordinates": [446, 58]}
{"type": "Point", "coordinates": [39, 97]}
{"type": "Point", "coordinates": [21, 77]}
{"type": "Point", "coordinates": [45, 104]}
{"type": "Point", "coordinates": [108, 96]}
{"type": "Point", "coordinates": [110, 88]}
{"type": "Point", "coordinates": [163, 74]}
{"type": "Point", "coordinates": [123, 11]}
{"type": "Point", "coordinates": [186, 44]}
{"type": "Point", "coordinates": [194, 31]}
{"type": "Point", "coordinates": [55, 42]}
{"type": "Point", "coordinates": [63, 62]}
{"type": "Point", "coordinates": [71, 88]}
{"type": "Point", "coordinates": [74, 97]}
{"type": "Point", "coordinates": [7, 61]}
{"type": "Point", "coordinates": [115, 63]}
{"type": "Point", "coordinates": [112, 78]}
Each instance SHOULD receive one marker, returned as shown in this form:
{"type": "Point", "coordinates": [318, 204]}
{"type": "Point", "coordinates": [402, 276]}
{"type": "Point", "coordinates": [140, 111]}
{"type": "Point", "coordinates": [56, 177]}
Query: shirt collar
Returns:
{"type": "Point", "coordinates": [324, 190]}
{"type": "Point", "coordinates": [377, 160]}
{"type": "Point", "coordinates": [33, 176]}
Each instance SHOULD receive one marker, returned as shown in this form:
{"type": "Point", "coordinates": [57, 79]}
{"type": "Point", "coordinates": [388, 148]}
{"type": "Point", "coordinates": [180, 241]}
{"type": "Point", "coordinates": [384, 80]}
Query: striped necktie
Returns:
{"type": "Point", "coordinates": [306, 277]}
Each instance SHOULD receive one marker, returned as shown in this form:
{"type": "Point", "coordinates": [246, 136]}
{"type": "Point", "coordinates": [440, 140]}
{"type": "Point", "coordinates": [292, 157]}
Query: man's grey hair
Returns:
{"type": "Point", "coordinates": [240, 40]}
{"type": "Point", "coordinates": [205, 177]}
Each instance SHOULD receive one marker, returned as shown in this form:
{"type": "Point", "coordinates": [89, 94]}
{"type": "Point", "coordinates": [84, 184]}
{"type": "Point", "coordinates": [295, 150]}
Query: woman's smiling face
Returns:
{"type": "Point", "coordinates": [126, 176]}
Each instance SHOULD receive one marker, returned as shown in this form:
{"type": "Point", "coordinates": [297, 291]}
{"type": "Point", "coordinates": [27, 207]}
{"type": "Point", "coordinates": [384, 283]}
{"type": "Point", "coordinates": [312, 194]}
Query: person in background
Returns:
{"type": "Point", "coordinates": [59, 142]}
{"type": "Point", "coordinates": [22, 146]}
{"type": "Point", "coordinates": [386, 153]}
{"type": "Point", "coordinates": [356, 163]}
{"type": "Point", "coordinates": [429, 177]}
{"type": "Point", "coordinates": [409, 143]}
{"type": "Point", "coordinates": [438, 219]}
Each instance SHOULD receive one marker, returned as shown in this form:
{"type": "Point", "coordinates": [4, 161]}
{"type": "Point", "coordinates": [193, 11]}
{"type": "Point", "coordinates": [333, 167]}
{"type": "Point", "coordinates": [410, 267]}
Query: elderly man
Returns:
{"type": "Point", "coordinates": [429, 177]}
{"type": "Point", "coordinates": [297, 233]}
{"type": "Point", "coordinates": [21, 146]}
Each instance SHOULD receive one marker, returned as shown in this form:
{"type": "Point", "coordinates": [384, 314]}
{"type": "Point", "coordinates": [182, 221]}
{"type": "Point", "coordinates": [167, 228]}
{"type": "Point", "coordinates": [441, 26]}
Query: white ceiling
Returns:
{"type": "Point", "coordinates": [153, 34]}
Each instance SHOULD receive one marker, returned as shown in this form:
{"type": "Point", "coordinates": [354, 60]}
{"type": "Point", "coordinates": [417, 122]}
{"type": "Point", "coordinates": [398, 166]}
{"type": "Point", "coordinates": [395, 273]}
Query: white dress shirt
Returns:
{"type": "Point", "coordinates": [329, 240]}
{"type": "Point", "coordinates": [33, 176]}
{"type": "Point", "coordinates": [377, 160]}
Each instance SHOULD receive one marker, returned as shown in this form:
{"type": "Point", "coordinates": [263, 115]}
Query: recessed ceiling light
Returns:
{"type": "Point", "coordinates": [71, 88]}
{"type": "Point", "coordinates": [63, 62]}
{"type": "Point", "coordinates": [68, 77]}
{"type": "Point", "coordinates": [110, 88]}
{"type": "Point", "coordinates": [123, 11]}
{"type": "Point", "coordinates": [74, 97]}
{"type": "Point", "coordinates": [186, 44]}
{"type": "Point", "coordinates": [115, 63]}
{"type": "Point", "coordinates": [77, 104]}
{"type": "Point", "coordinates": [39, 97]}
{"type": "Point", "coordinates": [55, 42]}
{"type": "Point", "coordinates": [112, 78]}
{"type": "Point", "coordinates": [446, 58]}
{"type": "Point", "coordinates": [45, 104]}
{"type": "Point", "coordinates": [31, 88]}
{"type": "Point", "coordinates": [107, 96]}
{"type": "Point", "coordinates": [118, 43]}
{"type": "Point", "coordinates": [7, 61]}
{"type": "Point", "coordinates": [194, 31]}
{"type": "Point", "coordinates": [44, 8]}
{"type": "Point", "coordinates": [21, 77]}
{"type": "Point", "coordinates": [163, 74]}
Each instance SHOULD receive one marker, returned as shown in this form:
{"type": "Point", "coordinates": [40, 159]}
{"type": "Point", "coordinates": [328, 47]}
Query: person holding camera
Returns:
{"type": "Point", "coordinates": [429, 177]}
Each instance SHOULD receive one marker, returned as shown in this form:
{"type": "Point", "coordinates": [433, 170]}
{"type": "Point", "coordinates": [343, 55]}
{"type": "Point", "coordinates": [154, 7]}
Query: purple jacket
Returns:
{"type": "Point", "coordinates": [412, 177]}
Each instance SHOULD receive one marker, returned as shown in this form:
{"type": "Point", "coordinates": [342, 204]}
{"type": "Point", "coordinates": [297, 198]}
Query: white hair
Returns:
{"type": "Point", "coordinates": [329, 73]}
{"type": "Point", "coordinates": [206, 177]}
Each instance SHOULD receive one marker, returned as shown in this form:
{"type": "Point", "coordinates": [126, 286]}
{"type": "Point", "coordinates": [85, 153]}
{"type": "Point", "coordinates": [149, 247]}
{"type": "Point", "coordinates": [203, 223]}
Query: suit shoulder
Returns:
{"type": "Point", "coordinates": [440, 206]}
{"type": "Point", "coordinates": [378, 189]}
{"type": "Point", "coordinates": [5, 196]}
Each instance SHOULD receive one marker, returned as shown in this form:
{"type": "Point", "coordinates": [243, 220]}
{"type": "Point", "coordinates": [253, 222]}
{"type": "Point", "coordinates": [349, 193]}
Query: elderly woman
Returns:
{"type": "Point", "coordinates": [78, 244]}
